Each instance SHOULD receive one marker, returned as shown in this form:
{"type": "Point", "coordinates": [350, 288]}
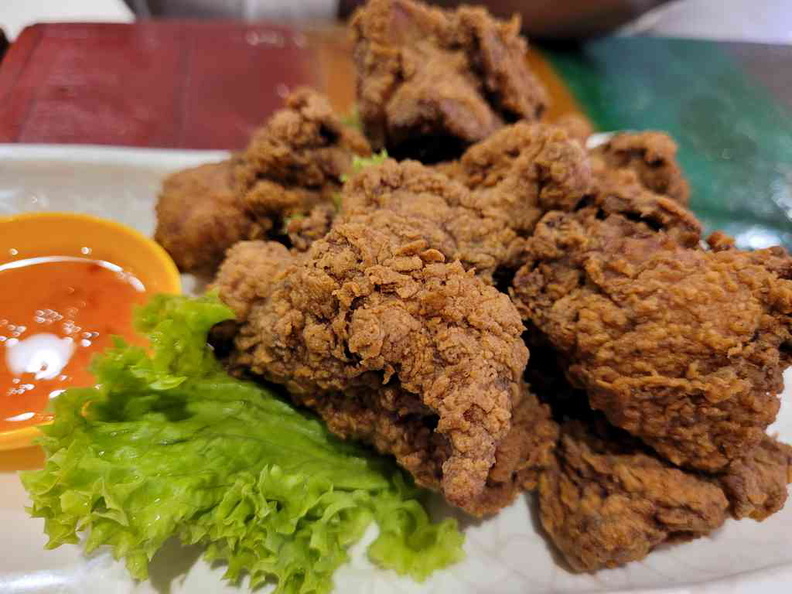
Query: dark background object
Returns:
{"type": "Point", "coordinates": [3, 44]}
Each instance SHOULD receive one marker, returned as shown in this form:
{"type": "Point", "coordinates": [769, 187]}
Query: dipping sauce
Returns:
{"type": "Point", "coordinates": [55, 314]}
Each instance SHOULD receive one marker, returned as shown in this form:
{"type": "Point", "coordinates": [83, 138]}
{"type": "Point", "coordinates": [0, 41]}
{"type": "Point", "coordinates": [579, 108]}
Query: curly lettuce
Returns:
{"type": "Point", "coordinates": [170, 446]}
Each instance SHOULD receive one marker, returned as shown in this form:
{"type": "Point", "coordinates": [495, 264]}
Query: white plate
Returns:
{"type": "Point", "coordinates": [504, 554]}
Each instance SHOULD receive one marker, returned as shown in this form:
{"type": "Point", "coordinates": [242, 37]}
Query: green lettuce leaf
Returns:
{"type": "Point", "coordinates": [360, 163]}
{"type": "Point", "coordinates": [170, 446]}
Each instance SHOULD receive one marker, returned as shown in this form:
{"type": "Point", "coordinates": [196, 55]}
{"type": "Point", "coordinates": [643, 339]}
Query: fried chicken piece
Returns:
{"type": "Point", "coordinates": [396, 422]}
{"type": "Point", "coordinates": [682, 347]}
{"type": "Point", "coordinates": [373, 304]}
{"type": "Point", "coordinates": [443, 212]}
{"type": "Point", "coordinates": [303, 230]}
{"type": "Point", "coordinates": [652, 156]}
{"type": "Point", "coordinates": [480, 210]}
{"type": "Point", "coordinates": [576, 125]}
{"type": "Point", "coordinates": [756, 485]}
{"type": "Point", "coordinates": [199, 216]}
{"type": "Point", "coordinates": [297, 159]}
{"type": "Point", "coordinates": [607, 502]}
{"type": "Point", "coordinates": [524, 170]}
{"type": "Point", "coordinates": [432, 81]}
{"type": "Point", "coordinates": [525, 452]}
{"type": "Point", "coordinates": [291, 170]}
{"type": "Point", "coordinates": [620, 191]}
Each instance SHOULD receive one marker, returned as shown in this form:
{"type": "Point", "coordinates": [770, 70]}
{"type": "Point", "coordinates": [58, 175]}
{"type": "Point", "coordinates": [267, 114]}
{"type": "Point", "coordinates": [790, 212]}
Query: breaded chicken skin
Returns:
{"type": "Point", "coordinates": [199, 216]}
{"type": "Point", "coordinates": [682, 347]}
{"type": "Point", "coordinates": [606, 502]}
{"type": "Point", "coordinates": [372, 305]}
{"type": "Point", "coordinates": [281, 187]}
{"type": "Point", "coordinates": [480, 210]}
{"type": "Point", "coordinates": [651, 156]}
{"type": "Point", "coordinates": [431, 82]}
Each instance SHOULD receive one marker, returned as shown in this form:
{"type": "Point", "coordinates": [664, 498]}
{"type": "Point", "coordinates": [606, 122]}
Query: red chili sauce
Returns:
{"type": "Point", "coordinates": [55, 314]}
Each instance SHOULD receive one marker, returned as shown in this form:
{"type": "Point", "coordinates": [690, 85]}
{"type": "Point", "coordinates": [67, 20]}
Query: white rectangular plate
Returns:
{"type": "Point", "coordinates": [505, 554]}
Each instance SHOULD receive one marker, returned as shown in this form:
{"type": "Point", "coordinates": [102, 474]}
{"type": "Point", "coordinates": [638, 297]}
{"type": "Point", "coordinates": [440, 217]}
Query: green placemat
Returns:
{"type": "Point", "coordinates": [728, 105]}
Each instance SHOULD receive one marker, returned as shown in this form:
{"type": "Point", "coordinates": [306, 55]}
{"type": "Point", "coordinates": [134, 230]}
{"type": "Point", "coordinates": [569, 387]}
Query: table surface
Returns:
{"type": "Point", "coordinates": [209, 84]}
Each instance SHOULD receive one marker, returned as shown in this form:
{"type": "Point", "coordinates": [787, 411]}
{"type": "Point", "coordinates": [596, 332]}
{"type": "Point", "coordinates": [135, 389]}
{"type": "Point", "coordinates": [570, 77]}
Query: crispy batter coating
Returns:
{"type": "Point", "coordinates": [373, 304]}
{"type": "Point", "coordinates": [303, 230]}
{"type": "Point", "coordinates": [481, 209]}
{"type": "Point", "coordinates": [682, 347]}
{"type": "Point", "coordinates": [199, 217]}
{"type": "Point", "coordinates": [607, 502]}
{"type": "Point", "coordinates": [443, 212]}
{"type": "Point", "coordinates": [396, 422]}
{"type": "Point", "coordinates": [291, 170]}
{"type": "Point", "coordinates": [652, 156]}
{"type": "Point", "coordinates": [620, 191]}
{"type": "Point", "coordinates": [248, 273]}
{"type": "Point", "coordinates": [576, 125]}
{"type": "Point", "coordinates": [525, 452]}
{"type": "Point", "coordinates": [524, 170]}
{"type": "Point", "coordinates": [303, 147]}
{"type": "Point", "coordinates": [431, 81]}
{"type": "Point", "coordinates": [756, 485]}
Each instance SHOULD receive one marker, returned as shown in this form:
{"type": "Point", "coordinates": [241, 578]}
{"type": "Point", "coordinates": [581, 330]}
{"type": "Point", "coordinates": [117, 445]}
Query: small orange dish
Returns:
{"type": "Point", "coordinates": [68, 284]}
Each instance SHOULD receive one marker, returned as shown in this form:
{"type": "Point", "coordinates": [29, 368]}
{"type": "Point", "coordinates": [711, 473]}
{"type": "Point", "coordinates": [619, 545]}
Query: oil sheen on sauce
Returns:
{"type": "Point", "coordinates": [55, 314]}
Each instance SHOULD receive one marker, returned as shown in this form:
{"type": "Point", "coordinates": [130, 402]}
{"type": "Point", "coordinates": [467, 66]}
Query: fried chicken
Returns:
{"type": "Point", "coordinates": [481, 209]}
{"type": "Point", "coordinates": [756, 484]}
{"type": "Point", "coordinates": [199, 215]}
{"type": "Point", "coordinates": [281, 187]}
{"type": "Point", "coordinates": [432, 81]}
{"type": "Point", "coordinates": [577, 126]}
{"type": "Point", "coordinates": [524, 170]}
{"type": "Point", "coordinates": [682, 347]}
{"type": "Point", "coordinates": [606, 502]}
{"type": "Point", "coordinates": [373, 305]}
{"type": "Point", "coordinates": [651, 156]}
{"type": "Point", "coordinates": [297, 159]}
{"type": "Point", "coordinates": [395, 422]}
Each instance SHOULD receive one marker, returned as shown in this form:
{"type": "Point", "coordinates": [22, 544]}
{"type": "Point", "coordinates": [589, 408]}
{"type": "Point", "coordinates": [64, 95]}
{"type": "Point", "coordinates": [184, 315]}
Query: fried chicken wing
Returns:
{"type": "Point", "coordinates": [372, 304]}
{"type": "Point", "coordinates": [431, 81]}
{"type": "Point", "coordinates": [606, 502]}
{"type": "Point", "coordinates": [682, 347]}
{"type": "Point", "coordinates": [281, 187]}
{"type": "Point", "coordinates": [651, 156]}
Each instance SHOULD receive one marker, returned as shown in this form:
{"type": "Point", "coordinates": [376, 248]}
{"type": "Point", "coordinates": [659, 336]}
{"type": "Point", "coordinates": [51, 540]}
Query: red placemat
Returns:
{"type": "Point", "coordinates": [185, 84]}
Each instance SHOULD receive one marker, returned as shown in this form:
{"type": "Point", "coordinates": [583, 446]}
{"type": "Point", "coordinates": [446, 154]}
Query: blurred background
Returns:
{"type": "Point", "coordinates": [203, 74]}
{"type": "Point", "coordinates": [768, 21]}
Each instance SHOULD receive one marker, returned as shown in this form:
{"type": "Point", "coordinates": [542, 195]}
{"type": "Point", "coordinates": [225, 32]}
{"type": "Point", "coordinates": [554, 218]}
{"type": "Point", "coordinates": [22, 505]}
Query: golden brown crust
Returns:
{"type": "Point", "coordinates": [199, 217]}
{"type": "Point", "coordinates": [524, 170]}
{"type": "Point", "coordinates": [682, 347]}
{"type": "Point", "coordinates": [373, 302]}
{"type": "Point", "coordinates": [480, 210]}
{"type": "Point", "coordinates": [606, 502]}
{"type": "Point", "coordinates": [576, 125]}
{"type": "Point", "coordinates": [756, 485]}
{"type": "Point", "coordinates": [652, 157]}
{"type": "Point", "coordinates": [291, 169]}
{"type": "Point", "coordinates": [431, 82]}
